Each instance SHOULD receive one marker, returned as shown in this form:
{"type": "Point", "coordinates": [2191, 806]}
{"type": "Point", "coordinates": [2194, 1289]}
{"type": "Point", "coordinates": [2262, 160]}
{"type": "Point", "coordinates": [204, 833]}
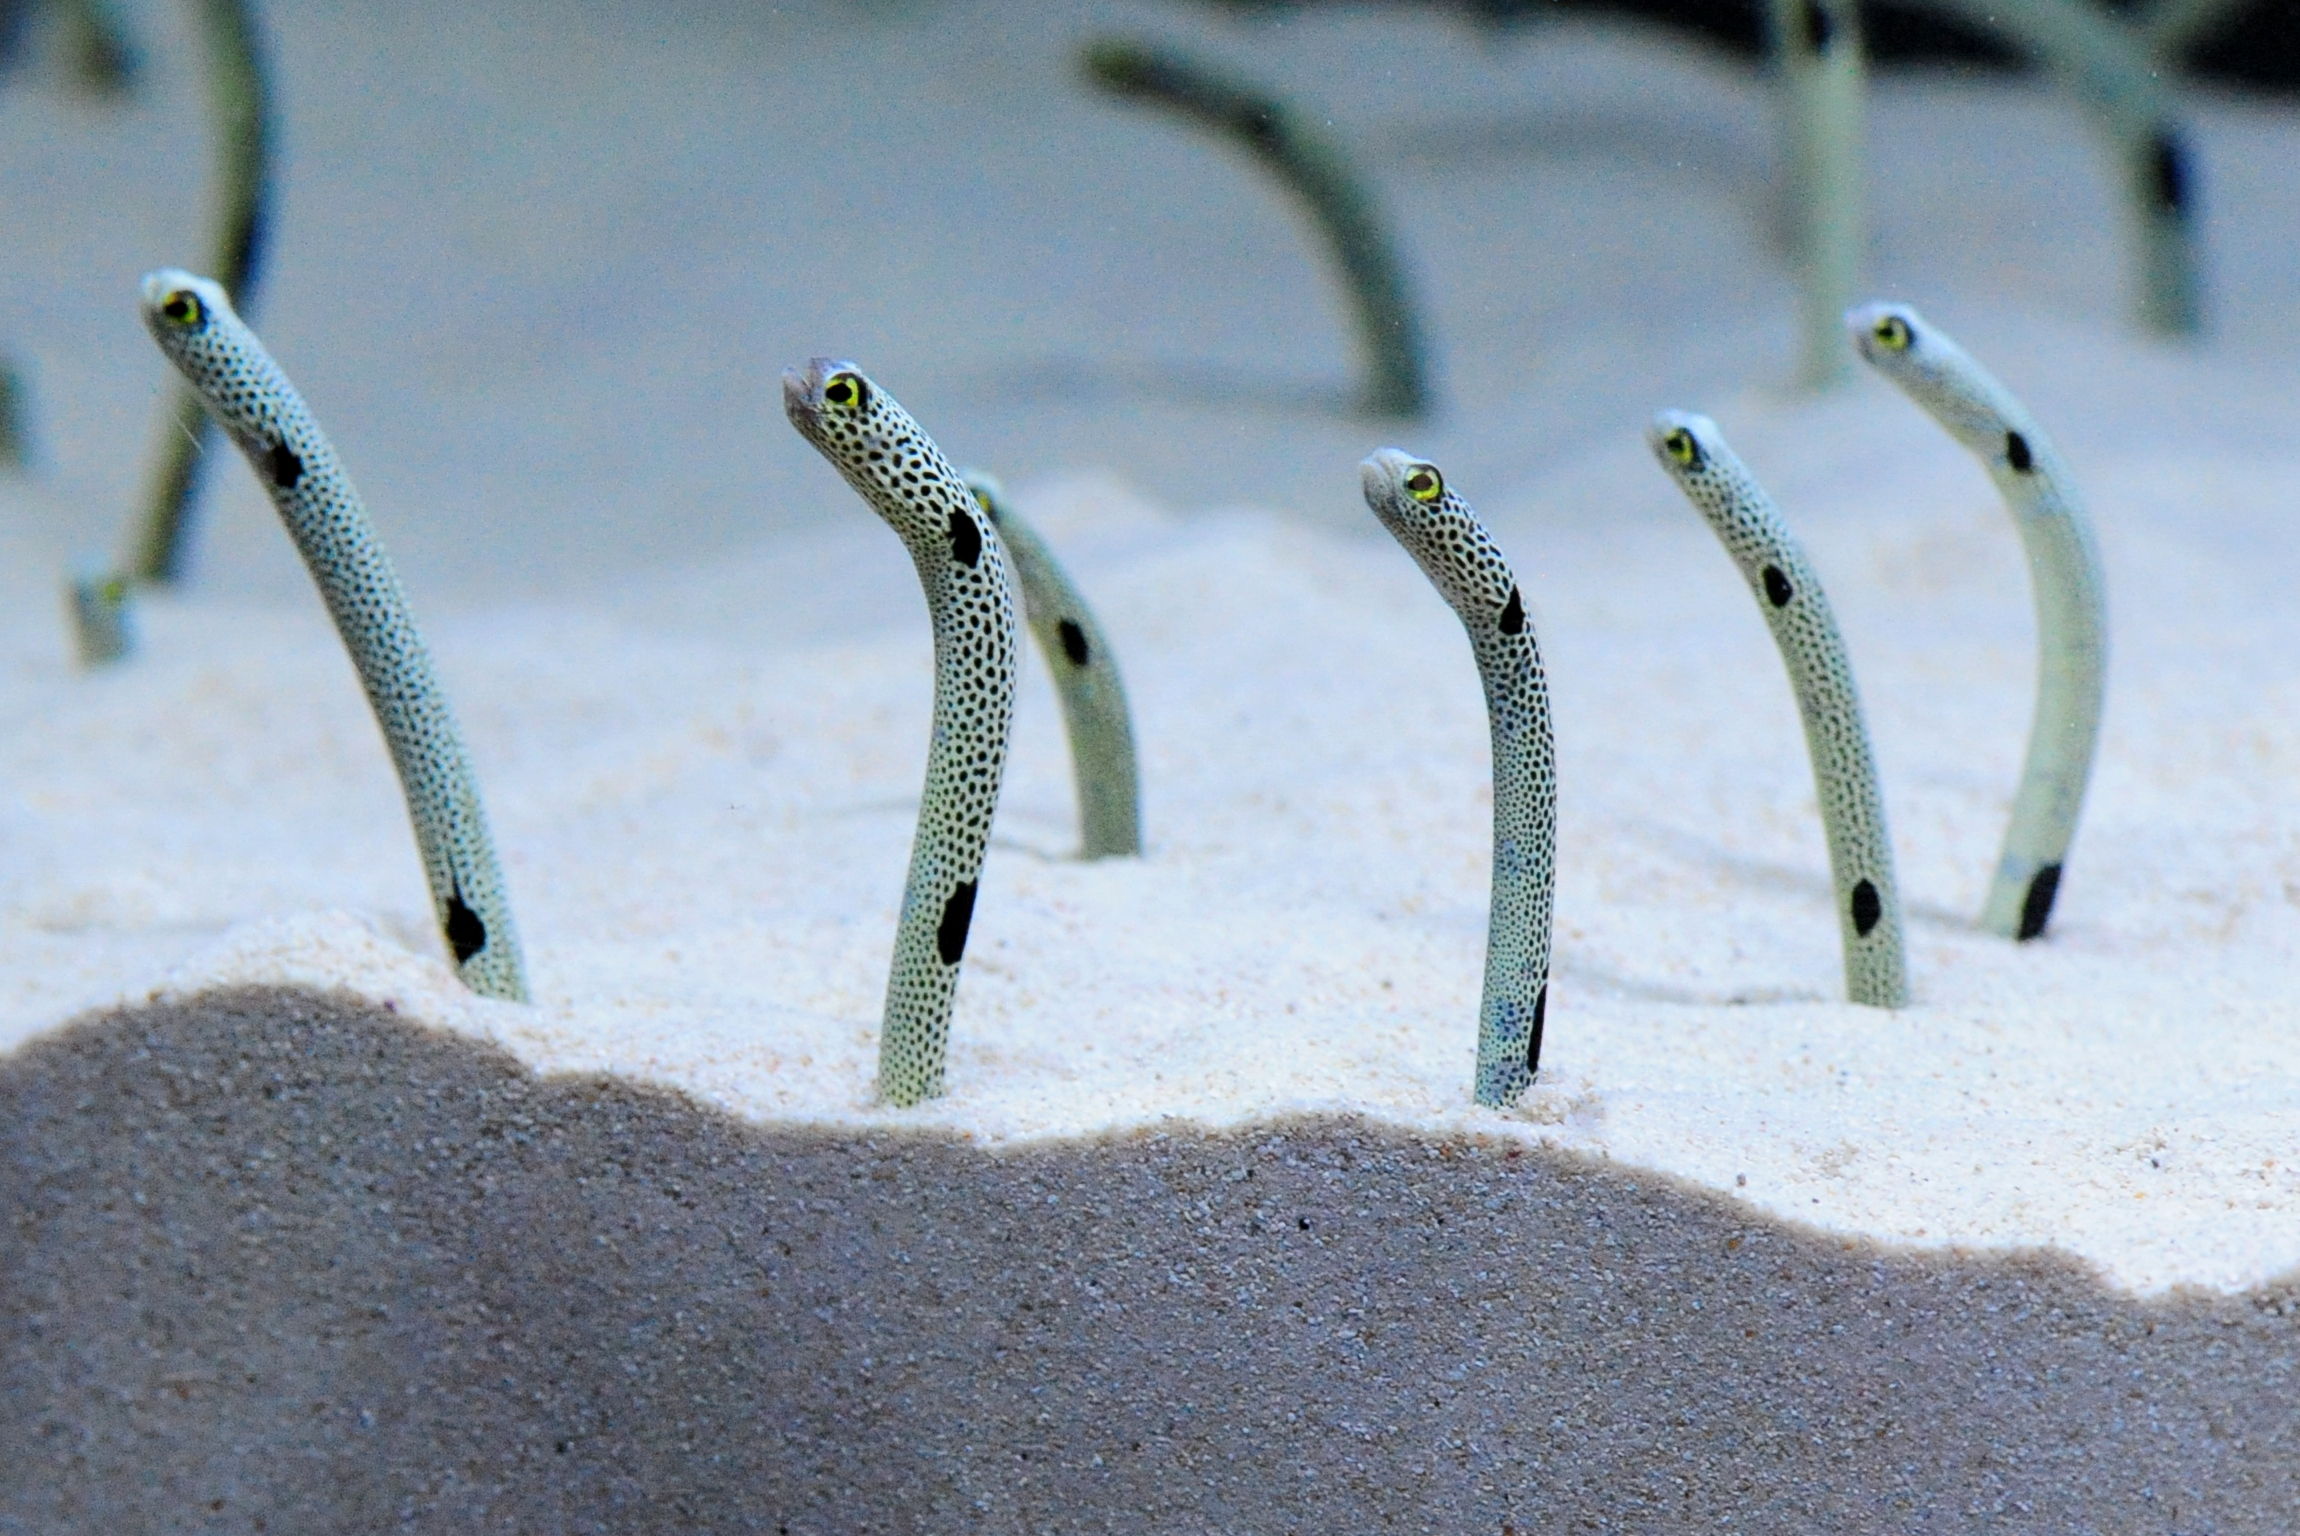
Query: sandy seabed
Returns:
{"type": "Point", "coordinates": [1207, 1234]}
{"type": "Point", "coordinates": [361, 1274]}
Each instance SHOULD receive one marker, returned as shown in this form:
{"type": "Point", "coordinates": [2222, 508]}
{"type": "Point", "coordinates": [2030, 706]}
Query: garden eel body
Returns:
{"type": "Point", "coordinates": [1453, 549]}
{"type": "Point", "coordinates": [1844, 770]}
{"type": "Point", "coordinates": [239, 102]}
{"type": "Point", "coordinates": [1085, 671]}
{"type": "Point", "coordinates": [256, 405]}
{"type": "Point", "coordinates": [2064, 569]}
{"type": "Point", "coordinates": [895, 466]}
{"type": "Point", "coordinates": [15, 452]}
{"type": "Point", "coordinates": [1315, 167]}
{"type": "Point", "coordinates": [2109, 64]}
{"type": "Point", "coordinates": [1816, 46]}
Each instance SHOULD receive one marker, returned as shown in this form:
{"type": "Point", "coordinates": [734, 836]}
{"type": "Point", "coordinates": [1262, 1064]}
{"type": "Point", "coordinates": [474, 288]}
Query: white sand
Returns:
{"type": "Point", "coordinates": [541, 306]}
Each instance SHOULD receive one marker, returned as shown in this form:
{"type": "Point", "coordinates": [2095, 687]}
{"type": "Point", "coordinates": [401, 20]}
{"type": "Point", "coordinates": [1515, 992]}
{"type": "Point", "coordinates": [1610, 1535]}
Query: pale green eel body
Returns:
{"type": "Point", "coordinates": [1300, 150]}
{"type": "Point", "coordinates": [1837, 738]}
{"type": "Point", "coordinates": [1085, 672]}
{"type": "Point", "coordinates": [895, 466]}
{"type": "Point", "coordinates": [260, 410]}
{"type": "Point", "coordinates": [1816, 46]}
{"type": "Point", "coordinates": [239, 103]}
{"type": "Point", "coordinates": [1461, 560]}
{"type": "Point", "coordinates": [14, 451]}
{"type": "Point", "coordinates": [2106, 56]}
{"type": "Point", "coordinates": [2064, 570]}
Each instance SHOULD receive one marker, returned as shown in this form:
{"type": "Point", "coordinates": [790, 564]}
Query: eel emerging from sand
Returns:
{"type": "Point", "coordinates": [1819, 60]}
{"type": "Point", "coordinates": [1299, 150]}
{"type": "Point", "coordinates": [1085, 671]}
{"type": "Point", "coordinates": [895, 466]}
{"type": "Point", "coordinates": [1461, 560]}
{"type": "Point", "coordinates": [255, 404]}
{"type": "Point", "coordinates": [1844, 769]}
{"type": "Point", "coordinates": [2064, 570]}
{"type": "Point", "coordinates": [240, 103]}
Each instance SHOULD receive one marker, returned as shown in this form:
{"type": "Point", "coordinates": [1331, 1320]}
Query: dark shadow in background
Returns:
{"type": "Point", "coordinates": [2257, 47]}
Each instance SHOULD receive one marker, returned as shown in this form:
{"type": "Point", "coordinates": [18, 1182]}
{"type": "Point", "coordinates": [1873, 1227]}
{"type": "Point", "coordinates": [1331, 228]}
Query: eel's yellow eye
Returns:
{"type": "Point", "coordinates": [1893, 334]}
{"type": "Point", "coordinates": [846, 390]}
{"type": "Point", "coordinates": [1680, 445]}
{"type": "Point", "coordinates": [184, 308]}
{"type": "Point", "coordinates": [1425, 483]}
{"type": "Point", "coordinates": [982, 500]}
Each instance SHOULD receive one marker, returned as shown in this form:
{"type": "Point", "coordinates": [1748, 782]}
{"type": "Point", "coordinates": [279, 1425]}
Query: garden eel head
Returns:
{"type": "Point", "coordinates": [1690, 447]}
{"type": "Point", "coordinates": [988, 495]}
{"type": "Point", "coordinates": [886, 457]}
{"type": "Point", "coordinates": [1886, 335]}
{"type": "Point", "coordinates": [1439, 530]}
{"type": "Point", "coordinates": [833, 405]}
{"type": "Point", "coordinates": [1933, 371]}
{"type": "Point", "coordinates": [1406, 493]}
{"type": "Point", "coordinates": [193, 321]}
{"type": "Point", "coordinates": [181, 312]}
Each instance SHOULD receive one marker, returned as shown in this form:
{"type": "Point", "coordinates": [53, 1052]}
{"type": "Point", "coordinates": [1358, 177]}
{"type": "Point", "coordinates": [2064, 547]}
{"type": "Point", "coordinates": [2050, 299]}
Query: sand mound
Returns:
{"type": "Point", "coordinates": [280, 1261]}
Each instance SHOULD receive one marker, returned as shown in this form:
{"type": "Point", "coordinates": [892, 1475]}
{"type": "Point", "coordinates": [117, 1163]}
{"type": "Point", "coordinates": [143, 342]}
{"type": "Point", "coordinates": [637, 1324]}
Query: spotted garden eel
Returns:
{"type": "Point", "coordinates": [2064, 570]}
{"type": "Point", "coordinates": [1085, 670]}
{"type": "Point", "coordinates": [1816, 47]}
{"type": "Point", "coordinates": [1844, 769]}
{"type": "Point", "coordinates": [2108, 64]}
{"type": "Point", "coordinates": [1461, 560]}
{"type": "Point", "coordinates": [895, 466]}
{"type": "Point", "coordinates": [239, 104]}
{"type": "Point", "coordinates": [1313, 166]}
{"type": "Point", "coordinates": [260, 410]}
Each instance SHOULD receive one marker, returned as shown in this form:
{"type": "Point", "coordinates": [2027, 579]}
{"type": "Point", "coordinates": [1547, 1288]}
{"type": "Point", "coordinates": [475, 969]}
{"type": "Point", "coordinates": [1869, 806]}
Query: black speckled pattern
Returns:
{"type": "Point", "coordinates": [2064, 571]}
{"type": "Point", "coordinates": [1461, 560]}
{"type": "Point", "coordinates": [1085, 669]}
{"type": "Point", "coordinates": [1789, 595]}
{"type": "Point", "coordinates": [260, 410]}
{"type": "Point", "coordinates": [895, 466]}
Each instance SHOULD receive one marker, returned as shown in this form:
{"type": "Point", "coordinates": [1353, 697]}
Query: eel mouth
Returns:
{"type": "Point", "coordinates": [802, 393]}
{"type": "Point", "coordinates": [1382, 473]}
{"type": "Point", "coordinates": [803, 390]}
